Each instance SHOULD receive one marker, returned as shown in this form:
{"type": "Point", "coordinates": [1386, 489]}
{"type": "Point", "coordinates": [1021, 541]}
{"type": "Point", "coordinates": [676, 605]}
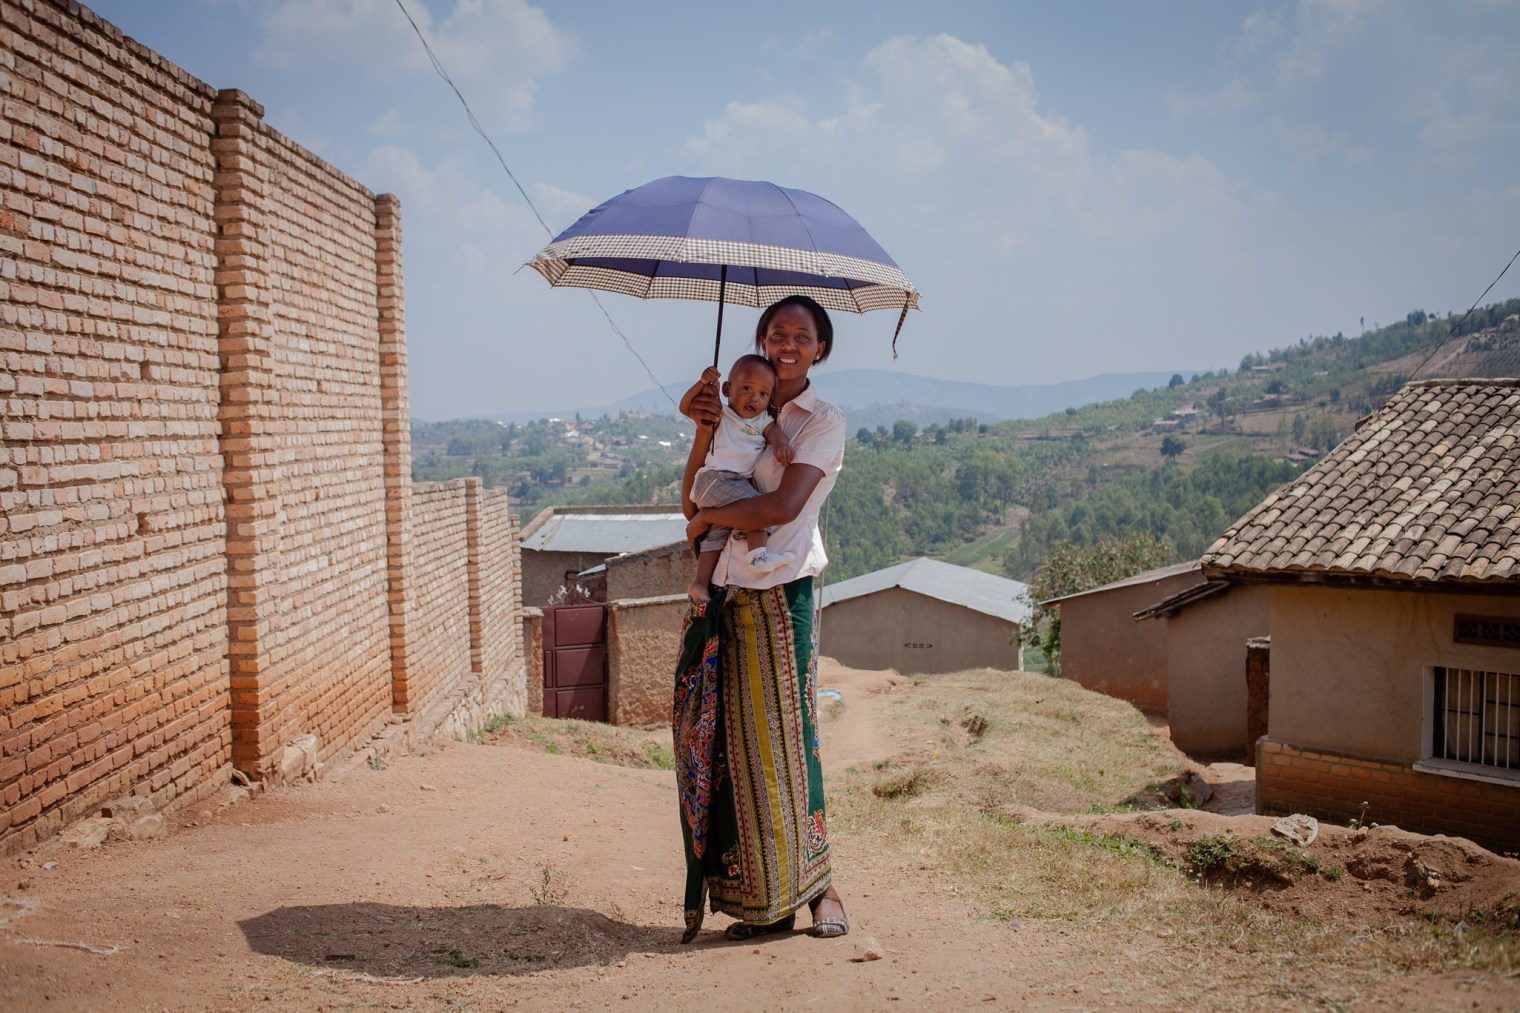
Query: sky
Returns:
{"type": "Point", "coordinates": [1076, 188]}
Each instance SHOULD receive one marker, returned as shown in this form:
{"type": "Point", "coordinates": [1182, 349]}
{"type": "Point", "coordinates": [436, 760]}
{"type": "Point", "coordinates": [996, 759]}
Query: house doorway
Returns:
{"type": "Point", "coordinates": [575, 661]}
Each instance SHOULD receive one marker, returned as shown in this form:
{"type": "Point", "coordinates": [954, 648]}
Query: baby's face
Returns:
{"type": "Point", "coordinates": [748, 390]}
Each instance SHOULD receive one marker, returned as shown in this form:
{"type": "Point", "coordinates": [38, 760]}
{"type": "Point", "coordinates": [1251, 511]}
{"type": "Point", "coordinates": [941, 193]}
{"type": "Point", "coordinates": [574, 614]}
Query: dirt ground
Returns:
{"type": "Point", "coordinates": [486, 877]}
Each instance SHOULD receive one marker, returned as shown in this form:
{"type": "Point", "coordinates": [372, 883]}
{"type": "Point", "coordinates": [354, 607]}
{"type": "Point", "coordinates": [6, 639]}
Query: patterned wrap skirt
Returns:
{"type": "Point", "coordinates": [747, 766]}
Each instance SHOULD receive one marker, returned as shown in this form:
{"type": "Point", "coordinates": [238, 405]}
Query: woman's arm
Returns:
{"type": "Point", "coordinates": [768, 509]}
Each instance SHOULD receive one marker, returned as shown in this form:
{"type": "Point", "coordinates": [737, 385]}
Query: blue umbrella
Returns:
{"type": "Point", "coordinates": [727, 240]}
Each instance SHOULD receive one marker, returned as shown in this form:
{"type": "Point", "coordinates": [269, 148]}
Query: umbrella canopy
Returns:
{"type": "Point", "coordinates": [726, 240]}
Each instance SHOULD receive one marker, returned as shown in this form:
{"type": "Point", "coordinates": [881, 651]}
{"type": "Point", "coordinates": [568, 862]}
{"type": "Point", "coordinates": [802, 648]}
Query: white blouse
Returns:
{"type": "Point", "coordinates": [816, 430]}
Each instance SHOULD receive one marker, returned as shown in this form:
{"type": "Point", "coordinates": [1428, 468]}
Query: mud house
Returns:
{"type": "Point", "coordinates": [1105, 650]}
{"type": "Point", "coordinates": [1171, 642]}
{"type": "Point", "coordinates": [924, 616]}
{"type": "Point", "coordinates": [1392, 570]}
{"type": "Point", "coordinates": [614, 552]}
{"type": "Point", "coordinates": [212, 557]}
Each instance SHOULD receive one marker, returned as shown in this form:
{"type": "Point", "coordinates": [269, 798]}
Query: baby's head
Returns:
{"type": "Point", "coordinates": [750, 382]}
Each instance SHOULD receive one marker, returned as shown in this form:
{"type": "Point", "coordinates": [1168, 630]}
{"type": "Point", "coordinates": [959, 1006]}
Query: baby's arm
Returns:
{"type": "Point", "coordinates": [775, 438]}
{"type": "Point", "coordinates": [709, 382]}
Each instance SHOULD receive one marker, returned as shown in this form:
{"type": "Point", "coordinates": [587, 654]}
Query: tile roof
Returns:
{"type": "Point", "coordinates": [1425, 490]}
{"type": "Point", "coordinates": [959, 585]}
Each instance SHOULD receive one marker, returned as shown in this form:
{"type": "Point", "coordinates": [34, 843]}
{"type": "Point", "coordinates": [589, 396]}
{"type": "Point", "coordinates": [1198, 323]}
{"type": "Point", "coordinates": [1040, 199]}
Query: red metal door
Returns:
{"type": "Point", "coordinates": [575, 662]}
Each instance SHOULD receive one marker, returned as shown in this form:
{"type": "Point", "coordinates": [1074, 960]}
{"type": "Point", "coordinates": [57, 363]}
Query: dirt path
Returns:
{"type": "Point", "coordinates": [493, 877]}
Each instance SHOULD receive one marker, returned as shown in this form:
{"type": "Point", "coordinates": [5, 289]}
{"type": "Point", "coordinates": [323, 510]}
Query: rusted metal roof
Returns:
{"type": "Point", "coordinates": [606, 533]}
{"type": "Point", "coordinates": [958, 585]}
{"type": "Point", "coordinates": [1424, 491]}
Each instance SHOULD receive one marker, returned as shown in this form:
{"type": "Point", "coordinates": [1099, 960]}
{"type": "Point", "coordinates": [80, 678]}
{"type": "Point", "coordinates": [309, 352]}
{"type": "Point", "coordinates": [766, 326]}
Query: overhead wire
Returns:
{"type": "Point", "coordinates": [470, 113]}
{"type": "Point", "coordinates": [1453, 328]}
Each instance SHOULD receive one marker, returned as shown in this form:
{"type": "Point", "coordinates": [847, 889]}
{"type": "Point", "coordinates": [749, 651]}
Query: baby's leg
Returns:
{"type": "Point", "coordinates": [700, 589]}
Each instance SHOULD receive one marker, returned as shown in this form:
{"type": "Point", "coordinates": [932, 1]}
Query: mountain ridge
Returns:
{"type": "Point", "coordinates": [869, 396]}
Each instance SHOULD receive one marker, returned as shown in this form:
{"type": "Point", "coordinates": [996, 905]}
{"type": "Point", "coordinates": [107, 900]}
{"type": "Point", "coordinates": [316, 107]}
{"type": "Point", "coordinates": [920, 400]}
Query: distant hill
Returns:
{"type": "Point", "coordinates": [873, 397]}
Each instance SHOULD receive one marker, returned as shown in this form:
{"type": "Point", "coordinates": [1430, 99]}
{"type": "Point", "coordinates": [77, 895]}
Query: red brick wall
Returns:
{"type": "Point", "coordinates": [113, 670]}
{"type": "Point", "coordinates": [1331, 786]}
{"type": "Point", "coordinates": [207, 540]}
{"type": "Point", "coordinates": [302, 405]}
{"type": "Point", "coordinates": [439, 648]}
{"type": "Point", "coordinates": [498, 608]}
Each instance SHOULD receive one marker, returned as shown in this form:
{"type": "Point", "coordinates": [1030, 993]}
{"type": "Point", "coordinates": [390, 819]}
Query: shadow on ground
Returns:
{"type": "Point", "coordinates": [387, 940]}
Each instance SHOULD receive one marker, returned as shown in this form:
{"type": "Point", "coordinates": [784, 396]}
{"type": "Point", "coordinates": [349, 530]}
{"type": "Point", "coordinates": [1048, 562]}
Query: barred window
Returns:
{"type": "Point", "coordinates": [1477, 717]}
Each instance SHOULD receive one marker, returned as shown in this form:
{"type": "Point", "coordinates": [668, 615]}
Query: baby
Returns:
{"type": "Point", "coordinates": [742, 435]}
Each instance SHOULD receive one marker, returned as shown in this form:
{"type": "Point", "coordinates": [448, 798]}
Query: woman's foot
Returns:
{"type": "Point", "coordinates": [829, 919]}
{"type": "Point", "coordinates": [748, 930]}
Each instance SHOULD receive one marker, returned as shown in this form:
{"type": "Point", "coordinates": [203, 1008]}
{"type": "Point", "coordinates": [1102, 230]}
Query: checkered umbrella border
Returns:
{"type": "Point", "coordinates": [654, 264]}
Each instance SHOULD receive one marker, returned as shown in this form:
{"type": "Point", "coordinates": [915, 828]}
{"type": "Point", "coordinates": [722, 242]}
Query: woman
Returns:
{"type": "Point", "coordinates": [745, 717]}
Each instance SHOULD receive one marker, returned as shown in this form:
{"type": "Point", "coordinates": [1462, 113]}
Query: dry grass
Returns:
{"type": "Point", "coordinates": [974, 747]}
{"type": "Point", "coordinates": [647, 748]}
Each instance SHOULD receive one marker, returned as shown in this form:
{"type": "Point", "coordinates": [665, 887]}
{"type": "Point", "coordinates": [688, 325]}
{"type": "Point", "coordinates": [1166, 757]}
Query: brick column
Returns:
{"type": "Point", "coordinates": [472, 488]}
{"type": "Point", "coordinates": [248, 403]}
{"type": "Point", "coordinates": [395, 414]}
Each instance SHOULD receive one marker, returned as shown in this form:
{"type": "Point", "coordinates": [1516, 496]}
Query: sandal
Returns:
{"type": "Point", "coordinates": [830, 927]}
{"type": "Point", "coordinates": [749, 930]}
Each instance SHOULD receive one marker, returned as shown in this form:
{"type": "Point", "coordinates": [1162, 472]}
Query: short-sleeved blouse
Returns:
{"type": "Point", "coordinates": [816, 431]}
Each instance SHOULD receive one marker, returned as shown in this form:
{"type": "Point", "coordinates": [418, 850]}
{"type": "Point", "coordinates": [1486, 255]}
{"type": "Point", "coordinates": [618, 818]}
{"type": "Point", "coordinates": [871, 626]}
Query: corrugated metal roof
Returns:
{"type": "Point", "coordinates": [1148, 577]}
{"type": "Point", "coordinates": [958, 585]}
{"type": "Point", "coordinates": [609, 534]}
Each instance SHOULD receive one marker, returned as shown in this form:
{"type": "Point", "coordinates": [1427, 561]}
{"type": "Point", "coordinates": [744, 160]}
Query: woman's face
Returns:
{"type": "Point", "coordinates": [791, 342]}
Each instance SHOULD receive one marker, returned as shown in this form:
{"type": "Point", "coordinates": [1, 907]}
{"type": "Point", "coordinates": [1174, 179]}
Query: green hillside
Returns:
{"type": "Point", "coordinates": [1179, 462]}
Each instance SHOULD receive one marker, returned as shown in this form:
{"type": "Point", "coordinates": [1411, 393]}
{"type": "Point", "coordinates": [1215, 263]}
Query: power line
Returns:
{"type": "Point", "coordinates": [1453, 329]}
{"type": "Point", "coordinates": [443, 73]}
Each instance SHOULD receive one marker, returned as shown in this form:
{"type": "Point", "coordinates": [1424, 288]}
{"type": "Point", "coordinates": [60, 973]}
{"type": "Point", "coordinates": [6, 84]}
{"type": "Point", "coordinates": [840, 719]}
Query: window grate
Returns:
{"type": "Point", "coordinates": [1491, 631]}
{"type": "Point", "coordinates": [1478, 717]}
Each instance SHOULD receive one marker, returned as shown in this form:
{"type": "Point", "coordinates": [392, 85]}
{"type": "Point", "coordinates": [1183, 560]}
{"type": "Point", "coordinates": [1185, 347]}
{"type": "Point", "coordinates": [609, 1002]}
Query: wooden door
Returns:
{"type": "Point", "coordinates": [575, 661]}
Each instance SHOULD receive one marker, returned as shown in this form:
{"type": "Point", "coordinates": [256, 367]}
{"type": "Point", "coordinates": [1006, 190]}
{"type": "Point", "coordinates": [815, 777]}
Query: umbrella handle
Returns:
{"type": "Point", "coordinates": [722, 287]}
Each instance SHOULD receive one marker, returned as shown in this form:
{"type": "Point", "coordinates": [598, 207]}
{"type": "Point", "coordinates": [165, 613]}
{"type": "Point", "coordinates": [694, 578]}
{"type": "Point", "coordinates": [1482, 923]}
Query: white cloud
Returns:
{"type": "Point", "coordinates": [1309, 142]}
{"type": "Point", "coordinates": [938, 112]}
{"type": "Point", "coordinates": [495, 51]}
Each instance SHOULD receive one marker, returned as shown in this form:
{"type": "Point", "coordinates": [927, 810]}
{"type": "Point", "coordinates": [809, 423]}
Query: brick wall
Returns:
{"type": "Point", "coordinates": [207, 545]}
{"type": "Point", "coordinates": [439, 649]}
{"type": "Point", "coordinates": [113, 667]}
{"type": "Point", "coordinates": [1333, 786]}
{"type": "Point", "coordinates": [498, 632]}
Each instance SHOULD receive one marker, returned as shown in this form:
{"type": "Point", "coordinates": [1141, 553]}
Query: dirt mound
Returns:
{"type": "Point", "coordinates": [1376, 871]}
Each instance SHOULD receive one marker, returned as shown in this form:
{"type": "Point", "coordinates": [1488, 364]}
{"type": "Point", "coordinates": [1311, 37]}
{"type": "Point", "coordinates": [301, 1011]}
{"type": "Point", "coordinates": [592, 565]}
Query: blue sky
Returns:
{"type": "Point", "coordinates": [1077, 188]}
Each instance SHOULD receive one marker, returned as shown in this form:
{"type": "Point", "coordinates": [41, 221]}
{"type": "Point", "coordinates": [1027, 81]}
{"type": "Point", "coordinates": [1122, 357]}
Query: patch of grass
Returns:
{"type": "Point", "coordinates": [647, 748]}
{"type": "Point", "coordinates": [551, 887]}
{"type": "Point", "coordinates": [901, 784]}
{"type": "Point", "coordinates": [454, 958]}
{"type": "Point", "coordinates": [957, 815]}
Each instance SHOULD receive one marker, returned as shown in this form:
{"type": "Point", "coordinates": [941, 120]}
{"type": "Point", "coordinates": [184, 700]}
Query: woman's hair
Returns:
{"type": "Point", "coordinates": [821, 323]}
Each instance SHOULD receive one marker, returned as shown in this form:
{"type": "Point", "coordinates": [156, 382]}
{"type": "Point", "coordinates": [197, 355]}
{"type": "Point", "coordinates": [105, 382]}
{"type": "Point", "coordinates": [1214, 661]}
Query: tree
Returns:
{"type": "Point", "coordinates": [1175, 381]}
{"type": "Point", "coordinates": [1172, 447]}
{"type": "Point", "coordinates": [903, 431]}
{"type": "Point", "coordinates": [1072, 568]}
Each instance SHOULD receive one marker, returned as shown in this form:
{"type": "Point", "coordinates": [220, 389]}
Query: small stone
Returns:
{"type": "Point", "coordinates": [1298, 828]}
{"type": "Point", "coordinates": [384, 808]}
{"type": "Point", "coordinates": [90, 833]}
{"type": "Point", "coordinates": [868, 949]}
{"type": "Point", "coordinates": [427, 787]}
